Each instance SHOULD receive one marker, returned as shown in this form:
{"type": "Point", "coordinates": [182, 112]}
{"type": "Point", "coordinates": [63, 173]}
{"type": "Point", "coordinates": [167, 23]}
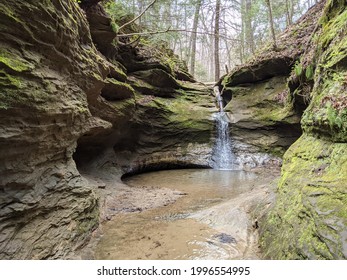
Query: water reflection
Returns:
{"type": "Point", "coordinates": [172, 232]}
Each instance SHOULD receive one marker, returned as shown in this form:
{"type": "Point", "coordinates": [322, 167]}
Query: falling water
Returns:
{"type": "Point", "coordinates": [223, 156]}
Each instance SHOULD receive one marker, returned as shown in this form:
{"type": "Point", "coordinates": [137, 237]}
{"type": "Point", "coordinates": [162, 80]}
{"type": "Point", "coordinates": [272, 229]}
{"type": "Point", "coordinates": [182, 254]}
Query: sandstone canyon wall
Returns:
{"type": "Point", "coordinates": [66, 98]}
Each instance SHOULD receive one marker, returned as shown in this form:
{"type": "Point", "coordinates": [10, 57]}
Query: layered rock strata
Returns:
{"type": "Point", "coordinates": [49, 69]}
{"type": "Point", "coordinates": [309, 219]}
{"type": "Point", "coordinates": [64, 88]}
{"type": "Point", "coordinates": [261, 108]}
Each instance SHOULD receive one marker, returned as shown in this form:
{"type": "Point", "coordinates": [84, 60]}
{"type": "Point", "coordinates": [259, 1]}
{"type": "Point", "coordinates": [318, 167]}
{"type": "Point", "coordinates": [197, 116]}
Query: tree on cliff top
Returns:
{"type": "Point", "coordinates": [192, 30]}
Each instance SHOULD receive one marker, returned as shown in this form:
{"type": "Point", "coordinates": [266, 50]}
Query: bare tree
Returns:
{"type": "Point", "coordinates": [288, 13]}
{"type": "Point", "coordinates": [246, 11]}
{"type": "Point", "coordinates": [194, 35]}
{"type": "Point", "coordinates": [271, 22]}
{"type": "Point", "coordinates": [216, 42]}
{"type": "Point", "coordinates": [139, 16]}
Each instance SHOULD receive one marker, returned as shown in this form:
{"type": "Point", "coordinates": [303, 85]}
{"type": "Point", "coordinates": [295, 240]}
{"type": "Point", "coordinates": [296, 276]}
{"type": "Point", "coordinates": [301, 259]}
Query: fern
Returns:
{"type": "Point", "coordinates": [309, 73]}
{"type": "Point", "coordinates": [298, 69]}
{"type": "Point", "coordinates": [331, 115]}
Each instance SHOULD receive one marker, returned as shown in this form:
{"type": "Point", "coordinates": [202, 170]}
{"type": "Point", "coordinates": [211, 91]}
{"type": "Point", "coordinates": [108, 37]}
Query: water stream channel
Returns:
{"type": "Point", "coordinates": [215, 216]}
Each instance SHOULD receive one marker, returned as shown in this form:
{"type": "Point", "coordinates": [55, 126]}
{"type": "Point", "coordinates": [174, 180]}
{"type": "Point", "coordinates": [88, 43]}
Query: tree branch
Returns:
{"type": "Point", "coordinates": [174, 30]}
{"type": "Point", "coordinates": [140, 15]}
{"type": "Point", "coordinates": [133, 43]}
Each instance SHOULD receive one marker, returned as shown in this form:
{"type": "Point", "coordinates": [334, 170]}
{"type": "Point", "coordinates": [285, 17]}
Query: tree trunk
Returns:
{"type": "Point", "coordinates": [216, 42]}
{"type": "Point", "coordinates": [176, 24]}
{"type": "Point", "coordinates": [141, 19]}
{"type": "Point", "coordinates": [228, 50]}
{"type": "Point", "coordinates": [242, 33]}
{"type": "Point", "coordinates": [247, 18]}
{"type": "Point", "coordinates": [193, 37]}
{"type": "Point", "coordinates": [209, 46]}
{"type": "Point", "coordinates": [187, 41]}
{"type": "Point", "coordinates": [288, 13]}
{"type": "Point", "coordinates": [272, 29]}
{"type": "Point", "coordinates": [292, 5]}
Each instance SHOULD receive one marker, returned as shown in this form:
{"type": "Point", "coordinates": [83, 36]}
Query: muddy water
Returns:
{"type": "Point", "coordinates": [211, 219]}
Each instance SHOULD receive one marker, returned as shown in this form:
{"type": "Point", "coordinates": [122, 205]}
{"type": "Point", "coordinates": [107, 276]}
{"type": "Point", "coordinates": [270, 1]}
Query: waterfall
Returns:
{"type": "Point", "coordinates": [223, 157]}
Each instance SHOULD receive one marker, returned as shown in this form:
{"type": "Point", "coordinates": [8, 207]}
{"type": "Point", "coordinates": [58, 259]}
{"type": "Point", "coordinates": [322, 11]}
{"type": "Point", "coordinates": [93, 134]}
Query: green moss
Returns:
{"type": "Point", "coordinates": [309, 217]}
{"type": "Point", "coordinates": [333, 40]}
{"type": "Point", "coordinates": [332, 9]}
{"type": "Point", "coordinates": [123, 104]}
{"type": "Point", "coordinates": [119, 73]}
{"type": "Point", "coordinates": [114, 26]}
{"type": "Point", "coordinates": [262, 102]}
{"type": "Point", "coordinates": [120, 86]}
{"type": "Point", "coordinates": [11, 90]}
{"type": "Point", "coordinates": [8, 12]}
{"type": "Point", "coordinates": [7, 80]}
{"type": "Point", "coordinates": [327, 112]}
{"type": "Point", "coordinates": [274, 113]}
{"type": "Point", "coordinates": [188, 113]}
{"type": "Point", "coordinates": [123, 107]}
{"type": "Point", "coordinates": [14, 62]}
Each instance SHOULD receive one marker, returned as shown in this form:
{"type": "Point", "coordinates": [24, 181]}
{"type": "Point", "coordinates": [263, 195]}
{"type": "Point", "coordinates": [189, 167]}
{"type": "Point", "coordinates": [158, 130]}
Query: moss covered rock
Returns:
{"type": "Point", "coordinates": [115, 90]}
{"type": "Point", "coordinates": [65, 99]}
{"type": "Point", "coordinates": [162, 133]}
{"type": "Point", "coordinates": [309, 220]}
{"type": "Point", "coordinates": [262, 109]}
{"type": "Point", "coordinates": [262, 116]}
{"type": "Point", "coordinates": [49, 69]}
{"type": "Point", "coordinates": [157, 78]}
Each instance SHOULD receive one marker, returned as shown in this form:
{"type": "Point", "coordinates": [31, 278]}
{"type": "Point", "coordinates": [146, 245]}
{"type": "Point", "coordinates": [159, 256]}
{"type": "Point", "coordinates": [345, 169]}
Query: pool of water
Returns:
{"type": "Point", "coordinates": [208, 221]}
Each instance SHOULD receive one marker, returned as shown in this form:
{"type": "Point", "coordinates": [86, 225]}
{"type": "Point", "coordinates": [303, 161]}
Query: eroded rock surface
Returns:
{"type": "Point", "coordinates": [259, 103]}
{"type": "Point", "coordinates": [64, 87]}
{"type": "Point", "coordinates": [49, 67]}
{"type": "Point", "coordinates": [309, 220]}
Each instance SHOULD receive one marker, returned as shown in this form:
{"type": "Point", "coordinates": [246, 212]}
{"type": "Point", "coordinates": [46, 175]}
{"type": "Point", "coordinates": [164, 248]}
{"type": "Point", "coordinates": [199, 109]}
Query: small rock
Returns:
{"type": "Point", "coordinates": [101, 185]}
{"type": "Point", "coordinates": [256, 225]}
{"type": "Point", "coordinates": [224, 238]}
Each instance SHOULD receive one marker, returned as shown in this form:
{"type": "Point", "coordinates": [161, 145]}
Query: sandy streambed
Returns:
{"type": "Point", "coordinates": [208, 214]}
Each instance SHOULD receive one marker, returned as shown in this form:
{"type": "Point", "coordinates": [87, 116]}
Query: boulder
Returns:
{"type": "Point", "coordinates": [184, 76]}
{"type": "Point", "coordinates": [145, 88]}
{"type": "Point", "coordinates": [262, 117]}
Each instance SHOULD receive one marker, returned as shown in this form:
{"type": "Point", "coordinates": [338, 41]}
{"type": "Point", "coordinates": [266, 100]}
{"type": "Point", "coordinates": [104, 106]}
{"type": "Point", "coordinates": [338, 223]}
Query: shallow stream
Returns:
{"type": "Point", "coordinates": [212, 219]}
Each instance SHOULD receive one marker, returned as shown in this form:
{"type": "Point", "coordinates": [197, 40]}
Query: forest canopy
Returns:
{"type": "Point", "coordinates": [212, 36]}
